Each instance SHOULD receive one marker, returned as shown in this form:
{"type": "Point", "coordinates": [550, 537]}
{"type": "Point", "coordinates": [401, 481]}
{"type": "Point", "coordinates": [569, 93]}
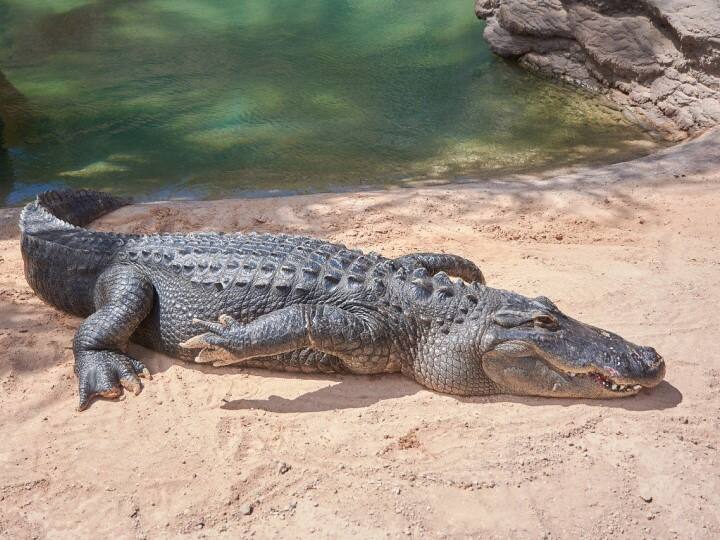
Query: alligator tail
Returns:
{"type": "Point", "coordinates": [68, 208]}
{"type": "Point", "coordinates": [62, 258]}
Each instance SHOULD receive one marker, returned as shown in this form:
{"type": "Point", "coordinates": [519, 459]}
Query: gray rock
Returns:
{"type": "Point", "coordinates": [659, 60]}
{"type": "Point", "coordinates": [506, 44]}
{"type": "Point", "coordinates": [624, 47]}
{"type": "Point", "coordinates": [542, 18]}
{"type": "Point", "coordinates": [246, 509]}
{"type": "Point", "coordinates": [485, 8]}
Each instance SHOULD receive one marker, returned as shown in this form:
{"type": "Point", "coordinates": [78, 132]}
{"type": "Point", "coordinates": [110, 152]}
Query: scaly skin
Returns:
{"type": "Point", "coordinates": [299, 304]}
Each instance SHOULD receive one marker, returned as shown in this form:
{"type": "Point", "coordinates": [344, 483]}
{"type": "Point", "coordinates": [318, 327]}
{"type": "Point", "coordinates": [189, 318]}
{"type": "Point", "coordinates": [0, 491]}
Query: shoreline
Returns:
{"type": "Point", "coordinates": [693, 156]}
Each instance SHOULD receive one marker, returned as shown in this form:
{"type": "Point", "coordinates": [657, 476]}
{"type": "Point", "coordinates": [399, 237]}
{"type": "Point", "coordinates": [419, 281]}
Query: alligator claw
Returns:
{"type": "Point", "coordinates": [207, 325]}
{"type": "Point", "coordinates": [105, 374]}
{"type": "Point", "coordinates": [211, 351]}
{"type": "Point", "coordinates": [213, 344]}
{"type": "Point", "coordinates": [226, 321]}
{"type": "Point", "coordinates": [197, 342]}
{"type": "Point", "coordinates": [131, 385]}
{"type": "Point", "coordinates": [216, 357]}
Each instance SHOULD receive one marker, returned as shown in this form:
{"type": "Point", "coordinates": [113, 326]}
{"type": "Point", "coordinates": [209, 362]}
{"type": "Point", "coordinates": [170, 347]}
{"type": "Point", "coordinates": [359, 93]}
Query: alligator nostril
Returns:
{"type": "Point", "coordinates": [650, 355]}
{"type": "Point", "coordinates": [655, 371]}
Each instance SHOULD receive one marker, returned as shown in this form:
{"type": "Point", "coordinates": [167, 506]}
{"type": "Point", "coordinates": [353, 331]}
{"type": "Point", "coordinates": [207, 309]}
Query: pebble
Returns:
{"type": "Point", "coordinates": [246, 509]}
{"type": "Point", "coordinates": [645, 496]}
{"type": "Point", "coordinates": [284, 467]}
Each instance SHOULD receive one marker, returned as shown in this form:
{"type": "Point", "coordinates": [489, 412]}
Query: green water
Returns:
{"type": "Point", "coordinates": [211, 98]}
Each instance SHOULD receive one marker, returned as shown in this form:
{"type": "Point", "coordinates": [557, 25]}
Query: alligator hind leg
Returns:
{"type": "Point", "coordinates": [354, 338]}
{"type": "Point", "coordinates": [123, 298]}
{"type": "Point", "coordinates": [452, 265]}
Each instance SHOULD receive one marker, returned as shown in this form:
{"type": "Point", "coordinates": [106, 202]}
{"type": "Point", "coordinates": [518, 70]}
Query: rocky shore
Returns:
{"type": "Point", "coordinates": [659, 60]}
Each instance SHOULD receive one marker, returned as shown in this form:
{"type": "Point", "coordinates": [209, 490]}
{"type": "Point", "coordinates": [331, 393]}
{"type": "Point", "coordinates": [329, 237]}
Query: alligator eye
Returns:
{"type": "Point", "coordinates": [546, 321]}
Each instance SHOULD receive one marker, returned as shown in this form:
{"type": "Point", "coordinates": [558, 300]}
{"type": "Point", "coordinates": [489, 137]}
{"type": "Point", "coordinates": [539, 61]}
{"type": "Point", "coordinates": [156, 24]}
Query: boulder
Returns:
{"type": "Point", "coordinates": [658, 59]}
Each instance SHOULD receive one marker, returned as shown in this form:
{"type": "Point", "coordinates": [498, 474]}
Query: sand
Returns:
{"type": "Point", "coordinates": [205, 452]}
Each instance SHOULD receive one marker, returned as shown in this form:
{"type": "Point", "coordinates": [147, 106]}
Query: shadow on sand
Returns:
{"type": "Point", "coordinates": [352, 392]}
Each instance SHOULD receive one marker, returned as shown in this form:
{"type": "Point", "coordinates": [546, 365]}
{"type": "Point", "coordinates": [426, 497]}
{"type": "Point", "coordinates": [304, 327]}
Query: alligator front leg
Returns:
{"type": "Point", "coordinates": [452, 265]}
{"type": "Point", "coordinates": [354, 338]}
{"type": "Point", "coordinates": [123, 297]}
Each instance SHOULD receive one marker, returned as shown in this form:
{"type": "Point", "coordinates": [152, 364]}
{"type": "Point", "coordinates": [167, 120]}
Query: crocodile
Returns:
{"type": "Point", "coordinates": [300, 304]}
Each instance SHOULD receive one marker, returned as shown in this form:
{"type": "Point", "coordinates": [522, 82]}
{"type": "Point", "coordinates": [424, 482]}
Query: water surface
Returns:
{"type": "Point", "coordinates": [211, 98]}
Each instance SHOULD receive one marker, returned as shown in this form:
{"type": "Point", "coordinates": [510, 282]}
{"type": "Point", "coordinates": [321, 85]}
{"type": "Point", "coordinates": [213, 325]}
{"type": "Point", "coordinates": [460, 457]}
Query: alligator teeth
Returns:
{"type": "Point", "coordinates": [609, 384]}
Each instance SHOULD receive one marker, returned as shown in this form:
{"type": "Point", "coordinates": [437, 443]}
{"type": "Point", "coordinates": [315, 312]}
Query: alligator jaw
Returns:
{"type": "Point", "coordinates": [609, 384]}
{"type": "Point", "coordinates": [536, 375]}
{"type": "Point", "coordinates": [607, 378]}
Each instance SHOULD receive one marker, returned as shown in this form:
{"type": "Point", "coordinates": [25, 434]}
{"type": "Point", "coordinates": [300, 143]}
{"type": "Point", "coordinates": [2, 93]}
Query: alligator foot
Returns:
{"type": "Point", "coordinates": [106, 373]}
{"type": "Point", "coordinates": [214, 343]}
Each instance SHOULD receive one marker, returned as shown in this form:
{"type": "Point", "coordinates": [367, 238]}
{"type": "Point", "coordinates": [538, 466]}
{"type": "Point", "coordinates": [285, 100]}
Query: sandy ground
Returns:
{"type": "Point", "coordinates": [205, 452]}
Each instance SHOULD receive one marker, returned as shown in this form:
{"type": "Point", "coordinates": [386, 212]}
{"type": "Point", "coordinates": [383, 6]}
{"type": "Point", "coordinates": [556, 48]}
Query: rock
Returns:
{"type": "Point", "coordinates": [485, 8]}
{"type": "Point", "coordinates": [694, 25]}
{"type": "Point", "coordinates": [504, 43]}
{"type": "Point", "coordinates": [542, 18]}
{"type": "Point", "coordinates": [646, 496]}
{"type": "Point", "coordinates": [246, 509]}
{"type": "Point", "coordinates": [659, 60]}
{"type": "Point", "coordinates": [284, 467]}
{"type": "Point", "coordinates": [622, 46]}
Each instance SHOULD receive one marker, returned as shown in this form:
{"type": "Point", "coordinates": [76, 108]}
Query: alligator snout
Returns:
{"type": "Point", "coordinates": [654, 367]}
{"type": "Point", "coordinates": [639, 366]}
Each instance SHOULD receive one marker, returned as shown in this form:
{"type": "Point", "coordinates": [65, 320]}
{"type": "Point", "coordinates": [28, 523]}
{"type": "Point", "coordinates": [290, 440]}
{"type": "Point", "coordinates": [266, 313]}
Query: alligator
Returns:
{"type": "Point", "coordinates": [299, 304]}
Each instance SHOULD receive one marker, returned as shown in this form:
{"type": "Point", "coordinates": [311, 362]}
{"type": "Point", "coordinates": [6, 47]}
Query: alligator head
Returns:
{"type": "Point", "coordinates": [531, 348]}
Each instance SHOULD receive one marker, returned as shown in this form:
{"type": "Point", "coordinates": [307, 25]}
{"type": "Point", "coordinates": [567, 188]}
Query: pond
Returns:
{"type": "Point", "coordinates": [217, 98]}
